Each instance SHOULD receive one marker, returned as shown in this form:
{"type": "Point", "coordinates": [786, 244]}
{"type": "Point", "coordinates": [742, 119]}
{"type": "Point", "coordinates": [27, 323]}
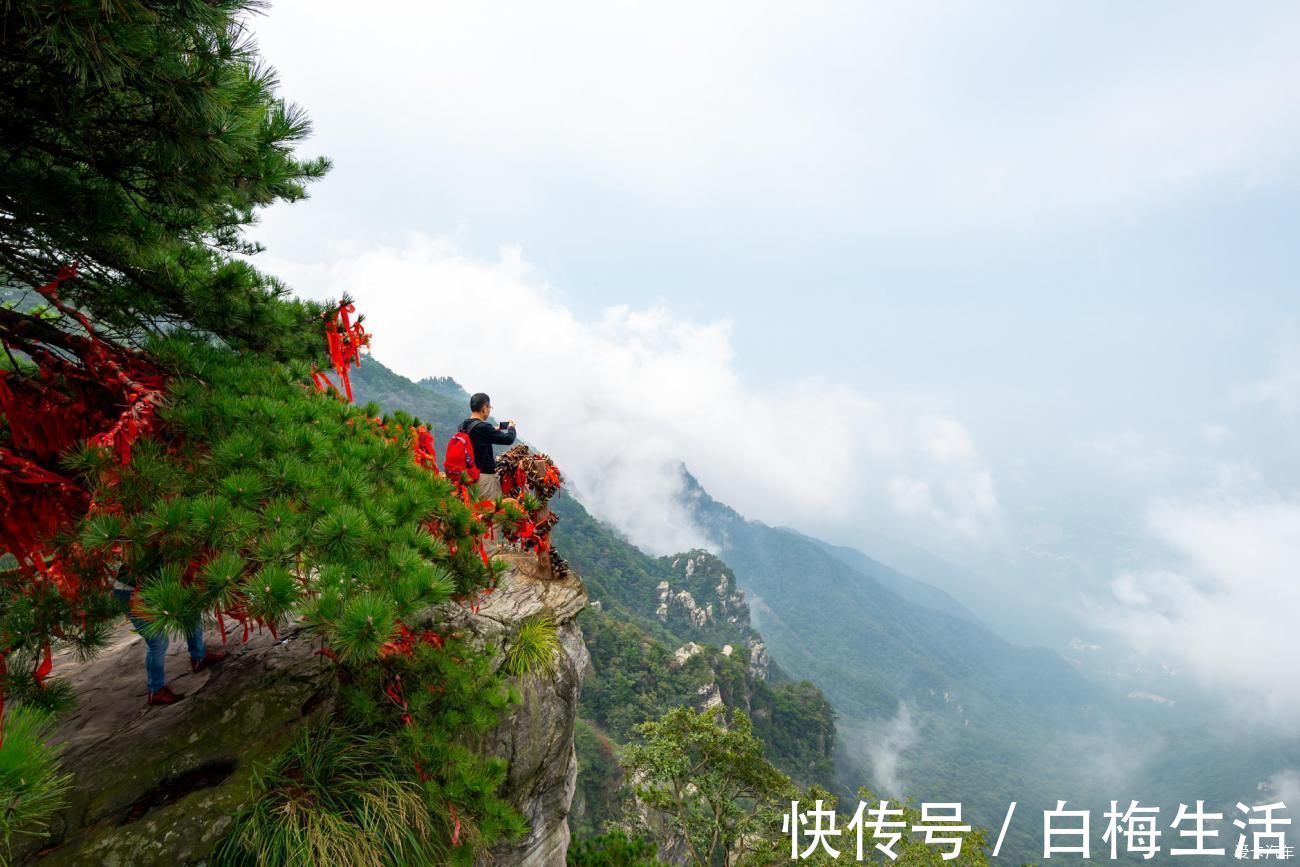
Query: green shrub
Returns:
{"type": "Point", "coordinates": [615, 849]}
{"type": "Point", "coordinates": [31, 788]}
{"type": "Point", "coordinates": [535, 648]}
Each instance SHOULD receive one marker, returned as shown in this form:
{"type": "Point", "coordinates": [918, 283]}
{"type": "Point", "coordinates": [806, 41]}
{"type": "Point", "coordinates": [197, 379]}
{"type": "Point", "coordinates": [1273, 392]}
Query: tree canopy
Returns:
{"type": "Point", "coordinates": [163, 425]}
{"type": "Point", "coordinates": [137, 140]}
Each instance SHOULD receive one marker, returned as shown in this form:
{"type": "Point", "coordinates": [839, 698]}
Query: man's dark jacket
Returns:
{"type": "Point", "coordinates": [483, 435]}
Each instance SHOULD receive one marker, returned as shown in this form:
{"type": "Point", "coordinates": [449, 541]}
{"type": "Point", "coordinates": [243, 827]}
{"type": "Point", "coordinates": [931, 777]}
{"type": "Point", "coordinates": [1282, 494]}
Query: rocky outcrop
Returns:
{"type": "Point", "coordinates": [159, 785]}
{"type": "Point", "coordinates": [685, 652]}
{"type": "Point", "coordinates": [537, 737]}
{"type": "Point", "coordinates": [759, 663]}
{"type": "Point", "coordinates": [703, 596]}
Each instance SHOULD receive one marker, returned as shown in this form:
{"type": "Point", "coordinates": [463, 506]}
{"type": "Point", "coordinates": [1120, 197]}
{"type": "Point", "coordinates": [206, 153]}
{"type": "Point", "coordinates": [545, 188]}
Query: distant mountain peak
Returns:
{"type": "Point", "coordinates": [445, 386]}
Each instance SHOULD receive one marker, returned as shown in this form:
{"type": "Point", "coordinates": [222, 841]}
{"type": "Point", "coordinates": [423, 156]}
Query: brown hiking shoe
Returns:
{"type": "Point", "coordinates": [211, 658]}
{"type": "Point", "coordinates": [164, 696]}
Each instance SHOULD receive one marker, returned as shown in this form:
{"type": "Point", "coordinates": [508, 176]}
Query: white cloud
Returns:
{"type": "Point", "coordinates": [620, 400]}
{"type": "Point", "coordinates": [1285, 786]}
{"type": "Point", "coordinates": [968, 506]}
{"type": "Point", "coordinates": [946, 440]}
{"type": "Point", "coordinates": [1227, 609]}
{"type": "Point", "coordinates": [883, 742]}
{"type": "Point", "coordinates": [923, 116]}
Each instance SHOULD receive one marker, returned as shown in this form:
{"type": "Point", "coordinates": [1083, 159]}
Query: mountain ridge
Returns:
{"type": "Point", "coordinates": [921, 697]}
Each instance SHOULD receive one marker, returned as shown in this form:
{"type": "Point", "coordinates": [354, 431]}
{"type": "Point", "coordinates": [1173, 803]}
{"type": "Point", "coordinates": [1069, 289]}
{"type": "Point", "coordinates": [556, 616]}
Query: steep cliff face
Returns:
{"type": "Point", "coordinates": [158, 785]}
{"type": "Point", "coordinates": [537, 737]}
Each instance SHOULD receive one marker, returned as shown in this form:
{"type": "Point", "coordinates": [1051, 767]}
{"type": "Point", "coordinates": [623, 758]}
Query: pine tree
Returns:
{"type": "Point", "coordinates": [162, 423]}
{"type": "Point", "coordinates": [137, 139]}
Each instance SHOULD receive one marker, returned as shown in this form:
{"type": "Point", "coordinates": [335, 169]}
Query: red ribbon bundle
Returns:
{"type": "Point", "coordinates": [406, 641]}
{"type": "Point", "coordinates": [424, 449]}
{"type": "Point", "coordinates": [525, 472]}
{"type": "Point", "coordinates": [82, 389]}
{"type": "Point", "coordinates": [344, 339]}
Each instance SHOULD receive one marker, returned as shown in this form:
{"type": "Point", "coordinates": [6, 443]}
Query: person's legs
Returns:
{"type": "Point", "coordinates": [200, 656]}
{"type": "Point", "coordinates": [155, 658]}
{"type": "Point", "coordinates": [195, 640]}
{"type": "Point", "coordinates": [489, 486]}
{"type": "Point", "coordinates": [155, 654]}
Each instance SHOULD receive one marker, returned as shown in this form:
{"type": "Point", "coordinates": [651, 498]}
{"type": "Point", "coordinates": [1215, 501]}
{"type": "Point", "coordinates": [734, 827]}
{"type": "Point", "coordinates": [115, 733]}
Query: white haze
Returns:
{"type": "Point", "coordinates": [885, 743]}
{"type": "Point", "coordinates": [622, 400]}
{"type": "Point", "coordinates": [1224, 606]}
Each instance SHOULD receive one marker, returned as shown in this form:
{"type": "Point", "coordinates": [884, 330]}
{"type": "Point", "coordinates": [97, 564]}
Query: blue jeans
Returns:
{"type": "Point", "coordinates": [155, 655]}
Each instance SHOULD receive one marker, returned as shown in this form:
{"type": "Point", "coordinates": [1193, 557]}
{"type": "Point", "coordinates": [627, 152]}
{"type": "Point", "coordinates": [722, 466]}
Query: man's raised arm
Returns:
{"type": "Point", "coordinates": [497, 435]}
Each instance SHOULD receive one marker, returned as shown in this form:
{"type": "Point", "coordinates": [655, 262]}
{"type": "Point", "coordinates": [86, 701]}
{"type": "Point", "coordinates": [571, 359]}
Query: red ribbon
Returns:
{"type": "Point", "coordinates": [343, 340]}
{"type": "Point", "coordinates": [47, 665]}
{"type": "Point", "coordinates": [455, 831]}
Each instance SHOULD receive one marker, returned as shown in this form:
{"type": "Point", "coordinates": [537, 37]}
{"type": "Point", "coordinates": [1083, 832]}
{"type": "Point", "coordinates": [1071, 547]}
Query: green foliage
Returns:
{"type": "Point", "coordinates": [322, 516]}
{"type": "Point", "coordinates": [600, 800]}
{"type": "Point", "coordinates": [535, 647]}
{"type": "Point", "coordinates": [139, 138]}
{"type": "Point", "coordinates": [615, 849]}
{"type": "Point", "coordinates": [318, 515]}
{"type": "Point", "coordinates": [333, 798]}
{"type": "Point", "coordinates": [725, 804]}
{"type": "Point", "coordinates": [365, 624]}
{"type": "Point", "coordinates": [451, 696]}
{"type": "Point", "coordinates": [387, 780]}
{"type": "Point", "coordinates": [264, 499]}
{"type": "Point", "coordinates": [31, 788]}
{"type": "Point", "coordinates": [31, 614]}
{"type": "Point", "coordinates": [635, 677]}
{"type": "Point", "coordinates": [707, 774]}
{"type": "Point", "coordinates": [173, 606]}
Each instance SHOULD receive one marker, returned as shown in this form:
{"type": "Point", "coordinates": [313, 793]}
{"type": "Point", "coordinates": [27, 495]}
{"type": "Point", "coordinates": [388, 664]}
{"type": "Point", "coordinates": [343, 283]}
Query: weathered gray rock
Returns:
{"type": "Point", "coordinates": [537, 737]}
{"type": "Point", "coordinates": [758, 658]}
{"type": "Point", "coordinates": [157, 786]}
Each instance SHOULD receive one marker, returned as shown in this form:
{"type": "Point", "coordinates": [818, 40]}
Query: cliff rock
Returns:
{"type": "Point", "coordinates": [158, 785]}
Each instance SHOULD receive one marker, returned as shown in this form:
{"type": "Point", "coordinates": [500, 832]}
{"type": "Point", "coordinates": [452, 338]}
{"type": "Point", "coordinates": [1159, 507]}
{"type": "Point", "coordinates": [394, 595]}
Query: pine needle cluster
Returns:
{"type": "Point", "coordinates": [395, 779]}
{"type": "Point", "coordinates": [266, 501]}
{"type": "Point", "coordinates": [31, 787]}
{"type": "Point", "coordinates": [138, 138]}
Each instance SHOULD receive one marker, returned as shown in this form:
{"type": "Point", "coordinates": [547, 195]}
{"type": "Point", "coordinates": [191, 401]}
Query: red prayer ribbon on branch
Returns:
{"type": "Point", "coordinates": [344, 340]}
{"type": "Point", "coordinates": [82, 388]}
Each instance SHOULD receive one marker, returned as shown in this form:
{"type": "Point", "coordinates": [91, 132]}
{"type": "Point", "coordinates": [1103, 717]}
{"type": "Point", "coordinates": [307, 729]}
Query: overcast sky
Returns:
{"type": "Point", "coordinates": [1012, 283]}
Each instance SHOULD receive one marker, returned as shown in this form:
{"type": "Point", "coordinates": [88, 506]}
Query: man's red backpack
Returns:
{"type": "Point", "coordinates": [460, 457]}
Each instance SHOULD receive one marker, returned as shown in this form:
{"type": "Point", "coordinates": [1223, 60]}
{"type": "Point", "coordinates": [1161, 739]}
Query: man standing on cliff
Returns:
{"type": "Point", "coordinates": [482, 435]}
